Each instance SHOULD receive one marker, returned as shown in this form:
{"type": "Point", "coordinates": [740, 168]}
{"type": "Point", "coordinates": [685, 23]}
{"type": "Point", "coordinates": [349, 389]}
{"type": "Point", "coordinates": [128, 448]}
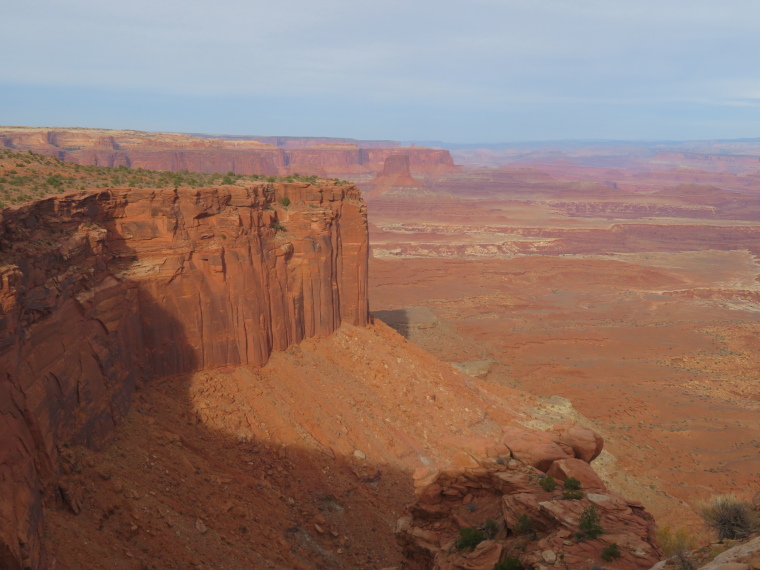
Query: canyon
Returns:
{"type": "Point", "coordinates": [192, 376]}
{"type": "Point", "coordinates": [629, 292]}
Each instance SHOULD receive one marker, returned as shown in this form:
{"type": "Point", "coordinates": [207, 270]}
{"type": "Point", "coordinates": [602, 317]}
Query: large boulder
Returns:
{"type": "Point", "coordinates": [538, 449]}
{"type": "Point", "coordinates": [565, 468]}
{"type": "Point", "coordinates": [586, 443]}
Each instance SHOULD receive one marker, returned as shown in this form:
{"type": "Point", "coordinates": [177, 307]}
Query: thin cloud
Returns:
{"type": "Point", "coordinates": [471, 57]}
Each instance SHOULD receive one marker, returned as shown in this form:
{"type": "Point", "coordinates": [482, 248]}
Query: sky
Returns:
{"type": "Point", "coordinates": [476, 71]}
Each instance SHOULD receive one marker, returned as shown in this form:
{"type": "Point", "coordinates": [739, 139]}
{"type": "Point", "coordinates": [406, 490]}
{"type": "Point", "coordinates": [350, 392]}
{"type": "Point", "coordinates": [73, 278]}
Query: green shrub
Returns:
{"type": "Point", "coordinates": [509, 563]}
{"type": "Point", "coordinates": [572, 484]}
{"type": "Point", "coordinates": [588, 524]}
{"type": "Point", "coordinates": [285, 201]}
{"type": "Point", "coordinates": [469, 538]}
{"type": "Point", "coordinates": [729, 516]}
{"type": "Point", "coordinates": [227, 180]}
{"type": "Point", "coordinates": [610, 552]}
{"type": "Point", "coordinates": [278, 227]}
{"type": "Point", "coordinates": [525, 526]}
{"type": "Point", "coordinates": [572, 495]}
{"type": "Point", "coordinates": [490, 529]}
{"type": "Point", "coordinates": [548, 483]}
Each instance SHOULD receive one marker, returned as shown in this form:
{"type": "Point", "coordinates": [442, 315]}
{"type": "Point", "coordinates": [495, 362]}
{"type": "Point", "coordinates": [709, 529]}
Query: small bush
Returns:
{"type": "Point", "coordinates": [227, 180]}
{"type": "Point", "coordinates": [673, 541]}
{"type": "Point", "coordinates": [729, 516]}
{"type": "Point", "coordinates": [610, 552]}
{"type": "Point", "coordinates": [469, 538]}
{"type": "Point", "coordinates": [285, 201]}
{"type": "Point", "coordinates": [525, 526]}
{"type": "Point", "coordinates": [572, 495]}
{"type": "Point", "coordinates": [509, 563]}
{"type": "Point", "coordinates": [490, 529]}
{"type": "Point", "coordinates": [548, 483]}
{"type": "Point", "coordinates": [572, 484]}
{"type": "Point", "coordinates": [588, 524]}
{"type": "Point", "coordinates": [279, 228]}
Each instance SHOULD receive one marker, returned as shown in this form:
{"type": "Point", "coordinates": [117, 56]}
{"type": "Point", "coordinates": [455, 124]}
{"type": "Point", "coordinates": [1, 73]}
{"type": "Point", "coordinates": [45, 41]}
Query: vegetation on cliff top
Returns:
{"type": "Point", "coordinates": [26, 177]}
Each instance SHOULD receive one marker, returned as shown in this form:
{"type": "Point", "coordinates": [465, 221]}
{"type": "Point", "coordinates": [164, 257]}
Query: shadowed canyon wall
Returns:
{"type": "Point", "coordinates": [168, 151]}
{"type": "Point", "coordinates": [101, 292]}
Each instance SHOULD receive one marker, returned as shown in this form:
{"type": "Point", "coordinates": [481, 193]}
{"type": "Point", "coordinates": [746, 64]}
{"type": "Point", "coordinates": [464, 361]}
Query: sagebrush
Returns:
{"type": "Point", "coordinates": [732, 518]}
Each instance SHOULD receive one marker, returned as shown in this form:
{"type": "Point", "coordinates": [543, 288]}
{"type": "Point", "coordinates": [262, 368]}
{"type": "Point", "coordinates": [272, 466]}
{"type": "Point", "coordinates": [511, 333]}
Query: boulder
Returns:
{"type": "Point", "coordinates": [565, 468]}
{"type": "Point", "coordinates": [585, 443]}
{"type": "Point", "coordinates": [538, 449]}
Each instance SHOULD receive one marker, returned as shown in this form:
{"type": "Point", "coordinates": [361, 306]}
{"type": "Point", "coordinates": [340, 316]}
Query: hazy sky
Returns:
{"type": "Point", "coordinates": [474, 71]}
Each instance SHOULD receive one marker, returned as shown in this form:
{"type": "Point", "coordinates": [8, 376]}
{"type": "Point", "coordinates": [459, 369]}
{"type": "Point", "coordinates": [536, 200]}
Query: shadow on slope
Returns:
{"type": "Point", "coordinates": [305, 462]}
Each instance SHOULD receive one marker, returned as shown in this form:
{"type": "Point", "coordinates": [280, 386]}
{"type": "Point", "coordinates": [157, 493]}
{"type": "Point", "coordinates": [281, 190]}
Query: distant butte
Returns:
{"type": "Point", "coordinates": [396, 174]}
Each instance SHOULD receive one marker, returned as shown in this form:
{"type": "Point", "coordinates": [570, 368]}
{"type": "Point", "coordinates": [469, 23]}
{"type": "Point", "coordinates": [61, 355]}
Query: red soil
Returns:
{"type": "Point", "coordinates": [647, 322]}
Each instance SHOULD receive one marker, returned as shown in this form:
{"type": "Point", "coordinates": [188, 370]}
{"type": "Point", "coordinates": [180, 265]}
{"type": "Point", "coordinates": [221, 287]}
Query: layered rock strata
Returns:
{"type": "Point", "coordinates": [501, 495]}
{"type": "Point", "coordinates": [100, 292]}
{"type": "Point", "coordinates": [169, 151]}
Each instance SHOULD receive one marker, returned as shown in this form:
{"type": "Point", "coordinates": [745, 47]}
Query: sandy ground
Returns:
{"type": "Point", "coordinates": [655, 344]}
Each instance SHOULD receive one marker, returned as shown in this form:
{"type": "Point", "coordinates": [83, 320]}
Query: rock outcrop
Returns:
{"type": "Point", "coordinates": [501, 496]}
{"type": "Point", "coordinates": [103, 291]}
{"type": "Point", "coordinates": [168, 151]}
{"type": "Point", "coordinates": [395, 176]}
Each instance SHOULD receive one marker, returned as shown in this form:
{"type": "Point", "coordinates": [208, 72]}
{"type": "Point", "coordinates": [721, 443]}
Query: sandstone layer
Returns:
{"type": "Point", "coordinates": [168, 151]}
{"type": "Point", "coordinates": [103, 291]}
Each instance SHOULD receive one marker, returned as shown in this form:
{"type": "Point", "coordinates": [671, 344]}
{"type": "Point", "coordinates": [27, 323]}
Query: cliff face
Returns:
{"type": "Point", "coordinates": [168, 151]}
{"type": "Point", "coordinates": [103, 291]}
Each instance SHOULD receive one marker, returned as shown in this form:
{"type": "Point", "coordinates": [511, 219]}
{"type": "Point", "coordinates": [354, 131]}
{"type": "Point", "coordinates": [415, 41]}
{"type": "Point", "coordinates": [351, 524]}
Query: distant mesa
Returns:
{"type": "Point", "coordinates": [357, 161]}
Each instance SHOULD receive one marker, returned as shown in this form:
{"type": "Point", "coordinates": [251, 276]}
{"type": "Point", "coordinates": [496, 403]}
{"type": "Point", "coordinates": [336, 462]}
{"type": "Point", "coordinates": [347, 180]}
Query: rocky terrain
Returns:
{"type": "Point", "coordinates": [191, 378]}
{"type": "Point", "coordinates": [520, 512]}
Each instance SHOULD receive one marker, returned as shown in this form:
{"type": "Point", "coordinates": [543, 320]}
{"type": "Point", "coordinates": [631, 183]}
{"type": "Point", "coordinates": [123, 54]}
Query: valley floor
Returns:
{"type": "Point", "coordinates": [648, 329]}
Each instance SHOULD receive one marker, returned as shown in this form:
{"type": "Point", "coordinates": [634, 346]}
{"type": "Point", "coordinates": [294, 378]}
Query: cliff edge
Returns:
{"type": "Point", "coordinates": [105, 290]}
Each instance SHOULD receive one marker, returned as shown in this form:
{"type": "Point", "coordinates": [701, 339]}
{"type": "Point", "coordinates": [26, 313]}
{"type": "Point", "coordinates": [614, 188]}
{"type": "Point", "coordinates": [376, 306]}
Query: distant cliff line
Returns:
{"type": "Point", "coordinates": [271, 156]}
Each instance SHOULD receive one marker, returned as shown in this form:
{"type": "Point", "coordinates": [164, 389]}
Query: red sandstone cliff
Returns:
{"type": "Point", "coordinates": [168, 151]}
{"type": "Point", "coordinates": [100, 292]}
